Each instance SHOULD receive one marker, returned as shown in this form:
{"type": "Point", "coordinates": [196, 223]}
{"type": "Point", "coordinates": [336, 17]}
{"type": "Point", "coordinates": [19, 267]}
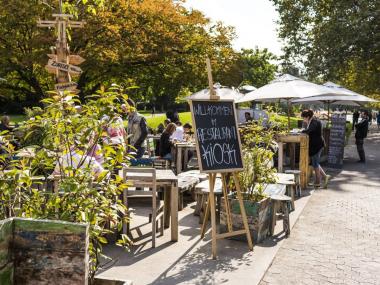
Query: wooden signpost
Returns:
{"type": "Point", "coordinates": [219, 151]}
{"type": "Point", "coordinates": [61, 63]}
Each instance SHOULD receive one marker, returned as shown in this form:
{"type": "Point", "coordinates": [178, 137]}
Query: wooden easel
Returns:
{"type": "Point", "coordinates": [211, 199]}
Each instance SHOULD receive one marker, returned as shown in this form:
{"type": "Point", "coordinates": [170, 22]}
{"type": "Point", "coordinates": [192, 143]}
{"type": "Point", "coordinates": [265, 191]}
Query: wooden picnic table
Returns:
{"type": "Point", "coordinates": [182, 154]}
{"type": "Point", "coordinates": [303, 140]}
{"type": "Point", "coordinates": [167, 179]}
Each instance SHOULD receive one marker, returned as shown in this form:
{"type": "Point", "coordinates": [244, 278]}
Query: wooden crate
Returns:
{"type": "Point", "coordinates": [44, 251]}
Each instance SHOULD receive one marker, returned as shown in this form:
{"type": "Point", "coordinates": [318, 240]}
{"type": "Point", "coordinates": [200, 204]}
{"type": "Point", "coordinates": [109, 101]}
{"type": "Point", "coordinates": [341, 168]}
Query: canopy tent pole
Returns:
{"type": "Point", "coordinates": [289, 107]}
{"type": "Point", "coordinates": [328, 112]}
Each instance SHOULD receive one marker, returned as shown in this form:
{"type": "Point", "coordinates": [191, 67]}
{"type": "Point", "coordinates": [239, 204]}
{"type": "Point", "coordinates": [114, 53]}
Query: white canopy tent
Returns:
{"type": "Point", "coordinates": [285, 89]}
{"type": "Point", "coordinates": [224, 93]}
{"type": "Point", "coordinates": [339, 96]}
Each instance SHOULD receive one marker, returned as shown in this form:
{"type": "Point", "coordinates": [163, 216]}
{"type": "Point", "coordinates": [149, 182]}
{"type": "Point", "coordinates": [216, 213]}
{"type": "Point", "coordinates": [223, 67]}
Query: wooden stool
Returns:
{"type": "Point", "coordinates": [185, 183]}
{"type": "Point", "coordinates": [204, 184]}
{"type": "Point", "coordinates": [280, 202]}
{"type": "Point", "coordinates": [297, 180]}
{"type": "Point", "coordinates": [218, 194]}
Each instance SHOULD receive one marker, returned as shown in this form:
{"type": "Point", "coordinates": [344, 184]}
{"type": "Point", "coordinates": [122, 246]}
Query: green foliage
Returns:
{"type": "Point", "coordinates": [335, 40]}
{"type": "Point", "coordinates": [258, 145]}
{"type": "Point", "coordinates": [81, 196]}
{"type": "Point", "coordinates": [157, 44]}
{"type": "Point", "coordinates": [257, 67]}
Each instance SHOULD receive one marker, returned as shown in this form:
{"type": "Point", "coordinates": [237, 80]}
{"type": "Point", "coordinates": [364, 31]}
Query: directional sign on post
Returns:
{"type": "Point", "coordinates": [76, 59]}
{"type": "Point", "coordinates": [72, 69]}
{"type": "Point", "coordinates": [69, 86]}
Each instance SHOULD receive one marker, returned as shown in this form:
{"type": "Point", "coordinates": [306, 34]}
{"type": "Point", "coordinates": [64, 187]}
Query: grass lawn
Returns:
{"type": "Point", "coordinates": [153, 122]}
{"type": "Point", "coordinates": [15, 119]}
{"type": "Point", "coordinates": [185, 117]}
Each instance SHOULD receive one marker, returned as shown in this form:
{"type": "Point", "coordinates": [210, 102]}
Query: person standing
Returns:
{"type": "Point", "coordinates": [378, 120]}
{"type": "Point", "coordinates": [137, 129]}
{"type": "Point", "coordinates": [361, 134]}
{"type": "Point", "coordinates": [316, 145]}
{"type": "Point", "coordinates": [355, 118]}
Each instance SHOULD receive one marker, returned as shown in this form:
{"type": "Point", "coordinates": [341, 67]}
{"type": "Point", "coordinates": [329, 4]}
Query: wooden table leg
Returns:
{"type": "Point", "coordinates": [304, 162]}
{"type": "Point", "coordinates": [167, 195]}
{"type": "Point", "coordinates": [280, 157]}
{"type": "Point", "coordinates": [179, 160]}
{"type": "Point", "coordinates": [174, 211]}
{"type": "Point", "coordinates": [185, 159]}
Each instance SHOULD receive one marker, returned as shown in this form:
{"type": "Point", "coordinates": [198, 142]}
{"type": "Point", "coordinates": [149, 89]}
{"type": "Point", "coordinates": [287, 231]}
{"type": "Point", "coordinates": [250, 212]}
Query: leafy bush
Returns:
{"type": "Point", "coordinates": [258, 151]}
{"type": "Point", "coordinates": [64, 124]}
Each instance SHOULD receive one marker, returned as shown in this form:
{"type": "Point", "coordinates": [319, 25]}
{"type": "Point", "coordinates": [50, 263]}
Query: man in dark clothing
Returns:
{"type": "Point", "coordinates": [355, 118]}
{"type": "Point", "coordinates": [137, 129]}
{"type": "Point", "coordinates": [361, 134]}
{"type": "Point", "coordinates": [316, 145]}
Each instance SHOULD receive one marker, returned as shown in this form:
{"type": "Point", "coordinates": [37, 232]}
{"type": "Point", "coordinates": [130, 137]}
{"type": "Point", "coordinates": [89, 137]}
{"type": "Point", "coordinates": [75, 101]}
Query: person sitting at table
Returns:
{"type": "Point", "coordinates": [248, 117]}
{"type": "Point", "coordinates": [76, 160]}
{"type": "Point", "coordinates": [178, 134]}
{"type": "Point", "coordinates": [165, 142]}
{"type": "Point", "coordinates": [316, 145]}
{"type": "Point", "coordinates": [5, 124]}
{"type": "Point", "coordinates": [188, 133]}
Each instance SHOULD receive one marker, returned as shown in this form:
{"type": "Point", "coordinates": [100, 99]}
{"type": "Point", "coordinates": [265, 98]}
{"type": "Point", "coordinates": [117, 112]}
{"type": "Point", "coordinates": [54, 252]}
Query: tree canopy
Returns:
{"type": "Point", "coordinates": [155, 44]}
{"type": "Point", "coordinates": [335, 40]}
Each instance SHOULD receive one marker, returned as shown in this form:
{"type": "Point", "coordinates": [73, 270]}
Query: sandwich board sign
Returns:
{"type": "Point", "coordinates": [337, 141]}
{"type": "Point", "coordinates": [217, 135]}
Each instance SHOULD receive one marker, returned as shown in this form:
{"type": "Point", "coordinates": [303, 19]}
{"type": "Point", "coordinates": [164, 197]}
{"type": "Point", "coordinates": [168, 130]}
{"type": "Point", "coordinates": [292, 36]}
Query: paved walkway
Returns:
{"type": "Point", "coordinates": [337, 237]}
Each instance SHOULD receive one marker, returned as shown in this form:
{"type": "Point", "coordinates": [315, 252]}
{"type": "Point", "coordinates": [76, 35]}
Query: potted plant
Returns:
{"type": "Point", "coordinates": [258, 154]}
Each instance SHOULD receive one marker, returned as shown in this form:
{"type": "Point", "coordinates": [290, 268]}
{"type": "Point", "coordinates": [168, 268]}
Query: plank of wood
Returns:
{"type": "Point", "coordinates": [231, 234]}
{"type": "Point", "coordinates": [242, 210]}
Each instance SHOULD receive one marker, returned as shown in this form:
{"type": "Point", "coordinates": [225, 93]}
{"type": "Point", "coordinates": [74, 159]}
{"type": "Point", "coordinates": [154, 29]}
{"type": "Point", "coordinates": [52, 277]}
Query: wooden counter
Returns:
{"type": "Point", "coordinates": [303, 140]}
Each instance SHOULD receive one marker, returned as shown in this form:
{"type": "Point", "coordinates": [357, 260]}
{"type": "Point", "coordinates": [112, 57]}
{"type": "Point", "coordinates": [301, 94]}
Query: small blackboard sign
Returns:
{"type": "Point", "coordinates": [217, 136]}
{"type": "Point", "coordinates": [337, 141]}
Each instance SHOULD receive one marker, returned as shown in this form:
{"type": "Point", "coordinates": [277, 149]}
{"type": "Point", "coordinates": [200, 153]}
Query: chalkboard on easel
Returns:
{"type": "Point", "coordinates": [337, 141]}
{"type": "Point", "coordinates": [217, 136]}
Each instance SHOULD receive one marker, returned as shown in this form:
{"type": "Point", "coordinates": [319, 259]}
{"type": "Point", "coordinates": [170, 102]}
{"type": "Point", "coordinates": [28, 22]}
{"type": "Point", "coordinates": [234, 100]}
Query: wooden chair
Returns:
{"type": "Point", "coordinates": [144, 178]}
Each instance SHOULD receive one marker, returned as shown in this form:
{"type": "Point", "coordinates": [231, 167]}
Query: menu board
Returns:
{"type": "Point", "coordinates": [337, 141]}
{"type": "Point", "coordinates": [217, 136]}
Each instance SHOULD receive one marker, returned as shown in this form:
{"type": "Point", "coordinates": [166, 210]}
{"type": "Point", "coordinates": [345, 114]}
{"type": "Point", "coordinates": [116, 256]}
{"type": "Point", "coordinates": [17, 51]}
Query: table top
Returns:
{"type": "Point", "coordinates": [185, 144]}
{"type": "Point", "coordinates": [162, 175]}
{"type": "Point", "coordinates": [274, 189]}
{"type": "Point", "coordinates": [26, 152]}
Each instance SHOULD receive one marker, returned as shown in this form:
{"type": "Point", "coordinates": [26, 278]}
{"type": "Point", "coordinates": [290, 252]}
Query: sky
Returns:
{"type": "Point", "coordinates": [254, 21]}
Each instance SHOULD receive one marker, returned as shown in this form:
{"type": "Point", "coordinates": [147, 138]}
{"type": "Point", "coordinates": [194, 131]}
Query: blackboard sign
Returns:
{"type": "Point", "coordinates": [217, 136]}
{"type": "Point", "coordinates": [337, 141]}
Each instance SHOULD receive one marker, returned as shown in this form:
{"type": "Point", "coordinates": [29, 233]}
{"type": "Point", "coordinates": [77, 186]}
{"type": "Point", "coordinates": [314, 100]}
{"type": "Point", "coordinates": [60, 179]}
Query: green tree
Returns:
{"type": "Point", "coordinates": [156, 44]}
{"type": "Point", "coordinates": [335, 40]}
